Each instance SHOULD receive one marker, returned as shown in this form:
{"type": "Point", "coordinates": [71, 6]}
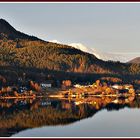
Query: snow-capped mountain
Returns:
{"type": "Point", "coordinates": [102, 55]}
{"type": "Point", "coordinates": [55, 41]}
{"type": "Point", "coordinates": [85, 49]}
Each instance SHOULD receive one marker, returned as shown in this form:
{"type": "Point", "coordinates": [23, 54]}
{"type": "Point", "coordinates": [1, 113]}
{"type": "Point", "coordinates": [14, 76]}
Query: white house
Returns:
{"type": "Point", "coordinates": [77, 86]}
{"type": "Point", "coordinates": [46, 85]}
{"type": "Point", "coordinates": [117, 86]}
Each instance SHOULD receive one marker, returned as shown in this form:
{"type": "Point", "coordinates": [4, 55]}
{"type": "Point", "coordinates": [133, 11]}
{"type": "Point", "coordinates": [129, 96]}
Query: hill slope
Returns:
{"type": "Point", "coordinates": [101, 55]}
{"type": "Point", "coordinates": [135, 60]}
{"type": "Point", "coordinates": [51, 56]}
{"type": "Point", "coordinates": [21, 50]}
{"type": "Point", "coordinates": [7, 31]}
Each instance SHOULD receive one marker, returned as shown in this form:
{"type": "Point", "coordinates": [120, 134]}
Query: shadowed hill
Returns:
{"type": "Point", "coordinates": [57, 57]}
{"type": "Point", "coordinates": [21, 50]}
{"type": "Point", "coordinates": [7, 31]}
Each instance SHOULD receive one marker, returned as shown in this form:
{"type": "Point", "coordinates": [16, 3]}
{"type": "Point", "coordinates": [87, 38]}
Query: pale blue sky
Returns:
{"type": "Point", "coordinates": [108, 27]}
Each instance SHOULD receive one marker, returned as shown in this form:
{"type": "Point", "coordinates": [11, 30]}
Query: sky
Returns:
{"type": "Point", "coordinates": [108, 27]}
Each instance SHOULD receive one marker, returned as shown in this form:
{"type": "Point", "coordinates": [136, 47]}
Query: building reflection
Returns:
{"type": "Point", "coordinates": [17, 115]}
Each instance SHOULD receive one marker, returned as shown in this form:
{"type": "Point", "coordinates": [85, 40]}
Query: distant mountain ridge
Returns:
{"type": "Point", "coordinates": [135, 60]}
{"type": "Point", "coordinates": [100, 55]}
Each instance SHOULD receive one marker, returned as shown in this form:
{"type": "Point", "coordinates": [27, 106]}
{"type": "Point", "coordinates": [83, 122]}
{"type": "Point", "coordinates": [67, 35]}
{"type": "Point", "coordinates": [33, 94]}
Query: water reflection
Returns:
{"type": "Point", "coordinates": [122, 123]}
{"type": "Point", "coordinates": [17, 115]}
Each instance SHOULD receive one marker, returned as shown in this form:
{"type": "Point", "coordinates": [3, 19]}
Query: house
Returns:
{"type": "Point", "coordinates": [117, 86]}
{"type": "Point", "coordinates": [77, 86]}
{"type": "Point", "coordinates": [47, 84]}
{"type": "Point", "coordinates": [127, 86]}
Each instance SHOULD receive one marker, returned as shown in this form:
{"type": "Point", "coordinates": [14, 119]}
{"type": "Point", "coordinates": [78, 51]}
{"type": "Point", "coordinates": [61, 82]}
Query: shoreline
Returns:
{"type": "Point", "coordinates": [26, 97]}
{"type": "Point", "coordinates": [111, 95]}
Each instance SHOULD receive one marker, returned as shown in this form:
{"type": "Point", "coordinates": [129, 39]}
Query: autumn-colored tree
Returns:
{"type": "Point", "coordinates": [66, 83]}
{"type": "Point", "coordinates": [31, 84]}
{"type": "Point", "coordinates": [35, 86]}
{"type": "Point", "coordinates": [98, 83]}
{"type": "Point", "coordinates": [15, 93]}
{"type": "Point", "coordinates": [108, 90]}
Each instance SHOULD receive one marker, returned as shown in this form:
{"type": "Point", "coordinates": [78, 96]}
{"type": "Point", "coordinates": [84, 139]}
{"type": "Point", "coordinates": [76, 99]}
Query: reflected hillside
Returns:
{"type": "Point", "coordinates": [17, 115]}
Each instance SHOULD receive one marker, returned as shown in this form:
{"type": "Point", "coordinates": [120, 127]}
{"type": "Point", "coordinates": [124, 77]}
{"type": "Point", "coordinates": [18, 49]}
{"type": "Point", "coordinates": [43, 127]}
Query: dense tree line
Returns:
{"type": "Point", "coordinates": [61, 62]}
{"type": "Point", "coordinates": [52, 56]}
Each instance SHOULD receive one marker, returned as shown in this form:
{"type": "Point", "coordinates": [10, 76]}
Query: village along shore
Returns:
{"type": "Point", "coordinates": [69, 90]}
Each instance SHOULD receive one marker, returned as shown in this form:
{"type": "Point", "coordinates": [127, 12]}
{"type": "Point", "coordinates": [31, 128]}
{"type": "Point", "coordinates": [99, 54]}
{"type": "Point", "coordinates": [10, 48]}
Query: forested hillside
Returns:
{"type": "Point", "coordinates": [51, 56]}
{"type": "Point", "coordinates": [19, 51]}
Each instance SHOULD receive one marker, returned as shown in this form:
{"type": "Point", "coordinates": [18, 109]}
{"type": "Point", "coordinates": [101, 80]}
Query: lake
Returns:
{"type": "Point", "coordinates": [123, 123]}
{"type": "Point", "coordinates": [96, 117]}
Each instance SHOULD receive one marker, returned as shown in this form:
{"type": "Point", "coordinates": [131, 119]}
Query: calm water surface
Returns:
{"type": "Point", "coordinates": [91, 117]}
{"type": "Point", "coordinates": [122, 123]}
